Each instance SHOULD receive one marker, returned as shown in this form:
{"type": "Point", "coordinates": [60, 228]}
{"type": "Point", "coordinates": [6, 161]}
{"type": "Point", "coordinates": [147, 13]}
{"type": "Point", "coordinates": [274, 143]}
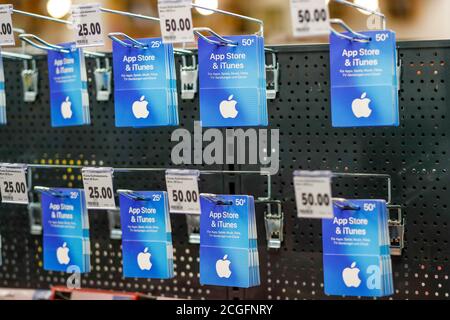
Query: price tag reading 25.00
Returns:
{"type": "Point", "coordinates": [176, 21]}
{"type": "Point", "coordinates": [313, 194]}
{"type": "Point", "coordinates": [13, 183]}
{"type": "Point", "coordinates": [87, 23]}
{"type": "Point", "coordinates": [98, 188]}
{"type": "Point", "coordinates": [182, 189]}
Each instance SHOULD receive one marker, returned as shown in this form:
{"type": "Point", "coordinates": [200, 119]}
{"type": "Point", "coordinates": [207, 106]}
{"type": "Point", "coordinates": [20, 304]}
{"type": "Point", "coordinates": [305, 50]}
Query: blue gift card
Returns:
{"type": "Point", "coordinates": [144, 84]}
{"type": "Point", "coordinates": [65, 230]}
{"type": "Point", "coordinates": [69, 105]}
{"type": "Point", "coordinates": [228, 246]}
{"type": "Point", "coordinates": [232, 90]}
{"type": "Point", "coordinates": [364, 88]}
{"type": "Point", "coordinates": [356, 257]}
{"type": "Point", "coordinates": [2, 93]}
{"type": "Point", "coordinates": [146, 235]}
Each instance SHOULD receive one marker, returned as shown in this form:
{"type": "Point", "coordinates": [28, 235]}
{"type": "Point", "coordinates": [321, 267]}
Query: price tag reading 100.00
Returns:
{"type": "Point", "coordinates": [183, 193]}
{"type": "Point", "coordinates": [13, 184]}
{"type": "Point", "coordinates": [98, 188]}
{"type": "Point", "coordinates": [313, 195]}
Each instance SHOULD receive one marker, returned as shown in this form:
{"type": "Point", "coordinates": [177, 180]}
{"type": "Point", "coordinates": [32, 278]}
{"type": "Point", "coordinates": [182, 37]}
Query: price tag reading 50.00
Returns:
{"type": "Point", "coordinates": [6, 28]}
{"type": "Point", "coordinates": [309, 18]}
{"type": "Point", "coordinates": [98, 188]}
{"type": "Point", "coordinates": [182, 188]}
{"type": "Point", "coordinates": [176, 21]}
{"type": "Point", "coordinates": [313, 194]}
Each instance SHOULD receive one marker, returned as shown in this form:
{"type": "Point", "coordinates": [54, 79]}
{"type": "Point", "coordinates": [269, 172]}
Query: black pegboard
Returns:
{"type": "Point", "coordinates": [414, 154]}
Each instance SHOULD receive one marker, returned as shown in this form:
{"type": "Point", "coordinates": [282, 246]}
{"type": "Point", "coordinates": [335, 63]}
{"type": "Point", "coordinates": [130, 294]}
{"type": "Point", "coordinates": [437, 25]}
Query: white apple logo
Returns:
{"type": "Point", "coordinates": [223, 267]}
{"type": "Point", "coordinates": [360, 107]}
{"type": "Point", "coordinates": [351, 277]}
{"type": "Point", "coordinates": [66, 109]}
{"type": "Point", "coordinates": [228, 108]}
{"type": "Point", "coordinates": [143, 260]}
{"type": "Point", "coordinates": [62, 254]}
{"type": "Point", "coordinates": [140, 108]}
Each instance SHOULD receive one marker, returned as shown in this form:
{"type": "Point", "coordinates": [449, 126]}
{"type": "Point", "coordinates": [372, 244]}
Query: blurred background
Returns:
{"type": "Point", "coordinates": [411, 19]}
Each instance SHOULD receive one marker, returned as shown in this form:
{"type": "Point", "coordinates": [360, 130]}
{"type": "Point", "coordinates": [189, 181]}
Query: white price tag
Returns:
{"type": "Point", "coordinates": [87, 25]}
{"type": "Point", "coordinates": [13, 183]}
{"type": "Point", "coordinates": [98, 188]}
{"type": "Point", "coordinates": [176, 21]}
{"type": "Point", "coordinates": [313, 194]}
{"type": "Point", "coordinates": [182, 189]}
{"type": "Point", "coordinates": [6, 27]}
{"type": "Point", "coordinates": [309, 18]}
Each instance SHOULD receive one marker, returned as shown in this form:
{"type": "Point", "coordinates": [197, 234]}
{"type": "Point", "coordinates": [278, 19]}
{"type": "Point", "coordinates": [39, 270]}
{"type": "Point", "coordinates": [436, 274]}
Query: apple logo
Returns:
{"type": "Point", "coordinates": [360, 107]}
{"type": "Point", "coordinates": [351, 277]}
{"type": "Point", "coordinates": [62, 254]}
{"type": "Point", "coordinates": [143, 260]}
{"type": "Point", "coordinates": [228, 108]}
{"type": "Point", "coordinates": [223, 267]}
{"type": "Point", "coordinates": [66, 109]}
{"type": "Point", "coordinates": [140, 108]}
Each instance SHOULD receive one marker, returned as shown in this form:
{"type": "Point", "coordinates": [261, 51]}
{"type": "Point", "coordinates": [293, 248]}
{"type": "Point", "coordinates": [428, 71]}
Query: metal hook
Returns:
{"type": "Point", "coordinates": [216, 199]}
{"type": "Point", "coordinates": [344, 204]}
{"type": "Point", "coordinates": [134, 43]}
{"type": "Point", "coordinates": [239, 16]}
{"type": "Point", "coordinates": [133, 195]}
{"type": "Point", "coordinates": [222, 42]}
{"type": "Point", "coordinates": [356, 36]}
{"type": "Point", "coordinates": [360, 7]}
{"type": "Point", "coordinates": [44, 44]}
{"type": "Point", "coordinates": [51, 191]}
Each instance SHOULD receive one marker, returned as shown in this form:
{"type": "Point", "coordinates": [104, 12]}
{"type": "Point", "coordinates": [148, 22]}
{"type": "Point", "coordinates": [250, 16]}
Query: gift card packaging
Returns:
{"type": "Point", "coordinates": [364, 86]}
{"type": "Point", "coordinates": [356, 250]}
{"type": "Point", "coordinates": [66, 230]}
{"type": "Point", "coordinates": [228, 241]}
{"type": "Point", "coordinates": [232, 82]}
{"type": "Point", "coordinates": [145, 89]}
{"type": "Point", "coordinates": [69, 99]}
{"type": "Point", "coordinates": [147, 249]}
{"type": "Point", "coordinates": [2, 93]}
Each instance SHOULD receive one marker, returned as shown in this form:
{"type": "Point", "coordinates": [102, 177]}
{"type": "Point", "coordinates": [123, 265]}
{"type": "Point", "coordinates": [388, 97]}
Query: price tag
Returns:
{"type": "Point", "coordinates": [182, 188]}
{"type": "Point", "coordinates": [13, 183]}
{"type": "Point", "coordinates": [6, 27]}
{"type": "Point", "coordinates": [98, 188]}
{"type": "Point", "coordinates": [87, 24]}
{"type": "Point", "coordinates": [176, 21]}
{"type": "Point", "coordinates": [313, 194]}
{"type": "Point", "coordinates": [309, 18]}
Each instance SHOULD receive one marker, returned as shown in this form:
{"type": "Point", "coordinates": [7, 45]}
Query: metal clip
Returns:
{"type": "Point", "coordinates": [272, 74]}
{"type": "Point", "coordinates": [193, 228]}
{"type": "Point", "coordinates": [396, 230]}
{"type": "Point", "coordinates": [189, 78]}
{"type": "Point", "coordinates": [115, 230]}
{"type": "Point", "coordinates": [274, 223]}
{"type": "Point", "coordinates": [102, 80]}
{"type": "Point", "coordinates": [30, 81]}
{"type": "Point", "coordinates": [35, 218]}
